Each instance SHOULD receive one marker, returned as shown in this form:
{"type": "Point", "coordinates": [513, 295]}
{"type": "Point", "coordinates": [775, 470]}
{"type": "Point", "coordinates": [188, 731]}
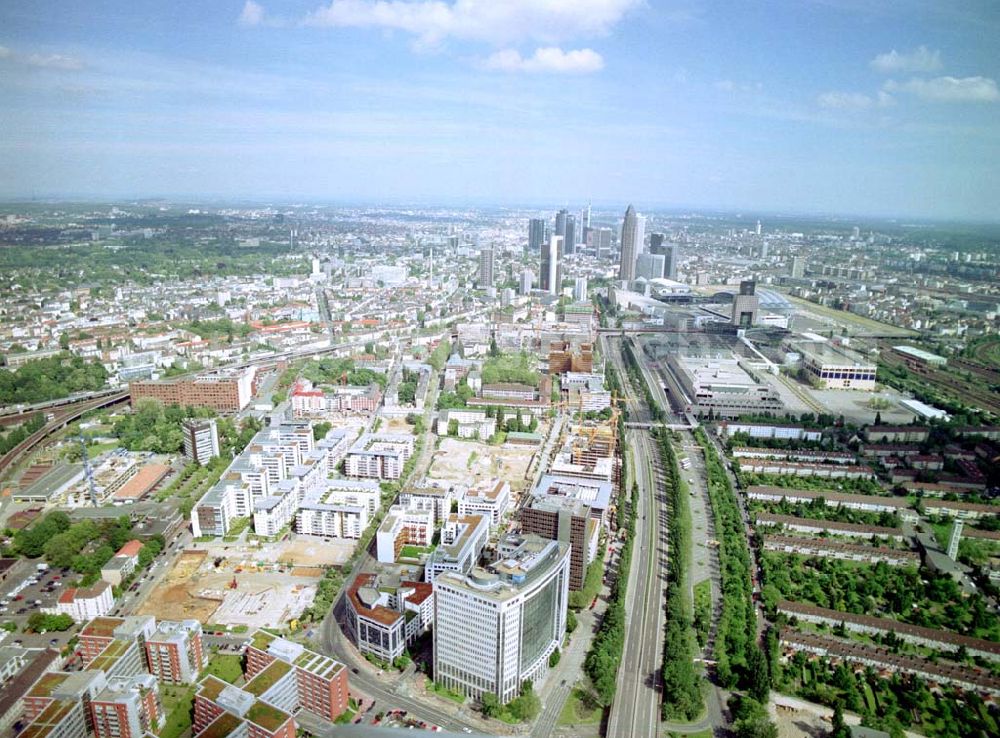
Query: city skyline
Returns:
{"type": "Point", "coordinates": [801, 108]}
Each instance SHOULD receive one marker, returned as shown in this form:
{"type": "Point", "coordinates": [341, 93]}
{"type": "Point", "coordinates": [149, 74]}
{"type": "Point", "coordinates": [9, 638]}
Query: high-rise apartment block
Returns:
{"type": "Point", "coordinates": [486, 267]}
{"type": "Point", "coordinates": [570, 510]}
{"type": "Point", "coordinates": [201, 440]}
{"type": "Point", "coordinates": [320, 684]}
{"type": "Point", "coordinates": [175, 652]}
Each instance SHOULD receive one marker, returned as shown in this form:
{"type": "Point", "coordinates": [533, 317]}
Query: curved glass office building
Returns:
{"type": "Point", "coordinates": [496, 627]}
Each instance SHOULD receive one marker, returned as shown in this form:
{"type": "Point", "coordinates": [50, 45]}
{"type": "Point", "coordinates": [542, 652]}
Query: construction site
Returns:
{"type": "Point", "coordinates": [244, 586]}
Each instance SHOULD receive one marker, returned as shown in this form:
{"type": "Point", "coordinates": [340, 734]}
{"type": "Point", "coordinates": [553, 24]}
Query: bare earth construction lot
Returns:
{"type": "Point", "coordinates": [274, 583]}
{"type": "Point", "coordinates": [471, 461]}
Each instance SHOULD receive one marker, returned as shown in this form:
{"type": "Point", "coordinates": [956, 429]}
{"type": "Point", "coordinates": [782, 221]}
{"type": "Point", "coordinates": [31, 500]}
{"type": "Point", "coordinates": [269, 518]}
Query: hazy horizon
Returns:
{"type": "Point", "coordinates": [823, 107]}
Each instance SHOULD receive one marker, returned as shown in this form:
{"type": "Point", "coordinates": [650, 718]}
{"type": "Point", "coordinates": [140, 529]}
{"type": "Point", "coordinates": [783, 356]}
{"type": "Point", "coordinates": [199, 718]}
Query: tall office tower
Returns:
{"type": "Point", "coordinates": [855, 233]}
{"type": "Point", "coordinates": [599, 240]}
{"type": "Point", "coordinates": [496, 627]}
{"type": "Point", "coordinates": [657, 243]}
{"type": "Point", "coordinates": [671, 254]}
{"type": "Point", "coordinates": [649, 266]}
{"type": "Point", "coordinates": [536, 235]}
{"type": "Point", "coordinates": [486, 264]}
{"type": "Point", "coordinates": [580, 289]}
{"type": "Point", "coordinates": [630, 245]}
{"type": "Point", "coordinates": [561, 222]}
{"type": "Point", "coordinates": [569, 244]}
{"type": "Point", "coordinates": [763, 250]}
{"type": "Point", "coordinates": [798, 267]}
{"type": "Point", "coordinates": [745, 305]}
{"type": "Point", "coordinates": [527, 281]}
{"type": "Point", "coordinates": [758, 227]}
{"type": "Point", "coordinates": [585, 217]}
{"type": "Point", "coordinates": [550, 273]}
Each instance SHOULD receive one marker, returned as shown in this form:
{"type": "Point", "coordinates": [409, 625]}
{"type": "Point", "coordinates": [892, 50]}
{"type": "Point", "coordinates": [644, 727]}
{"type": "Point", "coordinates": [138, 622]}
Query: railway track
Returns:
{"type": "Point", "coordinates": [961, 390]}
{"type": "Point", "coordinates": [62, 417]}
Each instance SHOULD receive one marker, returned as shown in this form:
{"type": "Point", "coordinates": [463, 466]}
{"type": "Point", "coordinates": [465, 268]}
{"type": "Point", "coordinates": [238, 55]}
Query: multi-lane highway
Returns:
{"type": "Point", "coordinates": [636, 707]}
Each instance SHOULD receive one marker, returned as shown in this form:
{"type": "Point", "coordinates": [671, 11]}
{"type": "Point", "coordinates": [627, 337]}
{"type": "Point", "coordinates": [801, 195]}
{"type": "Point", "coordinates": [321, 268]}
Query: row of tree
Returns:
{"type": "Point", "coordinates": [682, 698]}
{"type": "Point", "coordinates": [739, 660]}
{"type": "Point", "coordinates": [606, 649]}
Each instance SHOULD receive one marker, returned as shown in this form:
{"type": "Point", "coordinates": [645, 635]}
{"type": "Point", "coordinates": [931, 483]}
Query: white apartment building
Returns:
{"type": "Point", "coordinates": [279, 468]}
{"type": "Point", "coordinates": [340, 509]}
{"type": "Point", "coordinates": [403, 527]}
{"type": "Point", "coordinates": [379, 455]}
{"type": "Point", "coordinates": [463, 538]}
{"type": "Point", "coordinates": [490, 498]}
{"type": "Point", "coordinates": [85, 603]}
{"type": "Point", "coordinates": [468, 423]}
{"type": "Point", "coordinates": [495, 628]}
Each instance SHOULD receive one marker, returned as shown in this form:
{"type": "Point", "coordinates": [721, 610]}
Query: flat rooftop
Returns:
{"type": "Point", "coordinates": [553, 488]}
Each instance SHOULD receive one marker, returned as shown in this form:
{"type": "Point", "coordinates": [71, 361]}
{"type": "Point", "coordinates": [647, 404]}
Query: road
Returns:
{"type": "Point", "coordinates": [636, 707]}
{"type": "Point", "coordinates": [566, 674]}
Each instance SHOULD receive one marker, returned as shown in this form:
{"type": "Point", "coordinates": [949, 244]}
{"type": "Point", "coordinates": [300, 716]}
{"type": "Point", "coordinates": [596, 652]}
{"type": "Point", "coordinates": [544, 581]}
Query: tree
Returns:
{"type": "Point", "coordinates": [878, 418]}
{"type": "Point", "coordinates": [839, 728]}
{"type": "Point", "coordinates": [64, 341]}
{"type": "Point", "coordinates": [491, 705]}
{"type": "Point", "coordinates": [570, 621]}
{"type": "Point", "coordinates": [41, 622]}
{"type": "Point", "coordinates": [758, 674]}
{"type": "Point", "coordinates": [554, 658]}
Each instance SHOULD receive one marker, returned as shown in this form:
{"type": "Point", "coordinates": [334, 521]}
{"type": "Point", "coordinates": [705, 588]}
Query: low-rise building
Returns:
{"type": "Point", "coordinates": [463, 538]}
{"type": "Point", "coordinates": [833, 549]}
{"type": "Point", "coordinates": [384, 618]}
{"type": "Point", "coordinates": [939, 640]}
{"type": "Point", "coordinates": [490, 498]}
{"type": "Point", "coordinates": [466, 424]}
{"type": "Point", "coordinates": [833, 527]}
{"type": "Point", "coordinates": [84, 603]}
{"type": "Point", "coordinates": [896, 433]}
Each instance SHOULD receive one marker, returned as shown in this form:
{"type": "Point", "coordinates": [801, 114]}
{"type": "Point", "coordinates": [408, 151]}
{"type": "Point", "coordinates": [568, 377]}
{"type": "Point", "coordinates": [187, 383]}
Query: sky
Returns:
{"type": "Point", "coordinates": [868, 107]}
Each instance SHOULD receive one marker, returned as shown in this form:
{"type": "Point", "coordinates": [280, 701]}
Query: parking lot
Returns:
{"type": "Point", "coordinates": [28, 590]}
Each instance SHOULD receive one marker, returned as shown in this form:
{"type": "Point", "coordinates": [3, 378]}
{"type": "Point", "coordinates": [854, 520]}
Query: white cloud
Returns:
{"type": "Point", "coordinates": [5, 52]}
{"type": "Point", "coordinates": [54, 61]}
{"type": "Point", "coordinates": [920, 59]}
{"type": "Point", "coordinates": [493, 21]}
{"type": "Point", "coordinates": [948, 89]}
{"type": "Point", "coordinates": [550, 59]}
{"type": "Point", "coordinates": [845, 101]}
{"type": "Point", "coordinates": [748, 88]}
{"type": "Point", "coordinates": [252, 15]}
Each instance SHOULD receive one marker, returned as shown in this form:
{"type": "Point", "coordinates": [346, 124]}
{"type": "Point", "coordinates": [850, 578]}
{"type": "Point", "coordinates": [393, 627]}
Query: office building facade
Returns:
{"type": "Point", "coordinates": [495, 628]}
